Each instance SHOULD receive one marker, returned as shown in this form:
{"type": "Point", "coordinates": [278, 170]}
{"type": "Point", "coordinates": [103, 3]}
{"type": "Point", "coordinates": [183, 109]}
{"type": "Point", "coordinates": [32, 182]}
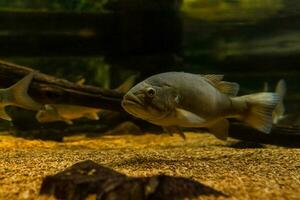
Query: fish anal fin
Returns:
{"type": "Point", "coordinates": [188, 118]}
{"type": "Point", "coordinates": [19, 94]}
{"type": "Point", "coordinates": [220, 129]}
{"type": "Point", "coordinates": [174, 129]}
{"type": "Point", "coordinates": [4, 115]}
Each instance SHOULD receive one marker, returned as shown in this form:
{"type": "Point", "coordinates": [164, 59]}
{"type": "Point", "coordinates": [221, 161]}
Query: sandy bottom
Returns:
{"type": "Point", "coordinates": [267, 172]}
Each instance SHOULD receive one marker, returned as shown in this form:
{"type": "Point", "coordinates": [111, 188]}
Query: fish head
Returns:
{"type": "Point", "coordinates": [150, 102]}
{"type": "Point", "coordinates": [47, 114]}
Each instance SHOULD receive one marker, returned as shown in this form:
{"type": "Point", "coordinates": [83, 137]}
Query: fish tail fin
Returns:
{"type": "Point", "coordinates": [19, 96]}
{"type": "Point", "coordinates": [279, 109]}
{"type": "Point", "coordinates": [258, 110]}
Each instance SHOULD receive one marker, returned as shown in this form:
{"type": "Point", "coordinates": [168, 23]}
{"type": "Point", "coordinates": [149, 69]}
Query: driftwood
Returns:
{"type": "Point", "coordinates": [280, 135]}
{"type": "Point", "coordinates": [49, 89]}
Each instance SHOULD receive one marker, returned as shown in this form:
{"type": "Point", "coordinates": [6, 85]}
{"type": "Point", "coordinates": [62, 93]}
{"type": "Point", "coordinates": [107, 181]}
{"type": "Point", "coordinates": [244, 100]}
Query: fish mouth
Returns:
{"type": "Point", "coordinates": [130, 99]}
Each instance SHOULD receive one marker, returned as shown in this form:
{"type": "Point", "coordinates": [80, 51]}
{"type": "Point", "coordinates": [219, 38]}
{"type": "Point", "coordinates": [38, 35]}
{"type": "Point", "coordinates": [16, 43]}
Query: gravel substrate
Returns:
{"type": "Point", "coordinates": [241, 171]}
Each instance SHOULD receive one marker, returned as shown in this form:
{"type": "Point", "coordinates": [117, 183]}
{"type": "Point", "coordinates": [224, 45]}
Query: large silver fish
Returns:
{"type": "Point", "coordinates": [178, 99]}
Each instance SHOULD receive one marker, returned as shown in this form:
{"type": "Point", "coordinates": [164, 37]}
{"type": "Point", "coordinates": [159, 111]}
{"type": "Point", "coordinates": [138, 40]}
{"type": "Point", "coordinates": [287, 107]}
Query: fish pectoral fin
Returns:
{"type": "Point", "coordinates": [4, 115]}
{"type": "Point", "coordinates": [174, 129]}
{"type": "Point", "coordinates": [92, 116]}
{"type": "Point", "coordinates": [220, 129]}
{"type": "Point", "coordinates": [20, 96]}
{"type": "Point", "coordinates": [188, 117]}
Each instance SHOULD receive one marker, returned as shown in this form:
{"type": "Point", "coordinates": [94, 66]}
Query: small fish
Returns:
{"type": "Point", "coordinates": [280, 90]}
{"type": "Point", "coordinates": [67, 113]}
{"type": "Point", "coordinates": [16, 95]}
{"type": "Point", "coordinates": [178, 99]}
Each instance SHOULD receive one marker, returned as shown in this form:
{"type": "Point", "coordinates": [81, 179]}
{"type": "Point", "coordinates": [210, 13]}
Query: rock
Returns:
{"type": "Point", "coordinates": [90, 180]}
{"type": "Point", "coordinates": [79, 180]}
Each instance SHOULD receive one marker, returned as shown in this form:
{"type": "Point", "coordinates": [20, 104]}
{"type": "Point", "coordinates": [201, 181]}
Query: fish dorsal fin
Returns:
{"type": "Point", "coordinates": [229, 88]}
{"type": "Point", "coordinates": [20, 96]}
{"type": "Point", "coordinates": [214, 78]}
{"type": "Point", "coordinates": [127, 84]}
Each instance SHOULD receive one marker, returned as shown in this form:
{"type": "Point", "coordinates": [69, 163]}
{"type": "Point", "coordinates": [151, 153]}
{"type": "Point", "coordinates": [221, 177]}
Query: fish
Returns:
{"type": "Point", "coordinates": [279, 111]}
{"type": "Point", "coordinates": [17, 95]}
{"type": "Point", "coordinates": [67, 113]}
{"type": "Point", "coordinates": [175, 100]}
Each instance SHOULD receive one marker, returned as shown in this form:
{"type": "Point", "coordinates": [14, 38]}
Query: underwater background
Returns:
{"type": "Point", "coordinates": [105, 41]}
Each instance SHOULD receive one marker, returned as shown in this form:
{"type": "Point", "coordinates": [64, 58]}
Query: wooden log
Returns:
{"type": "Point", "coordinates": [51, 90]}
{"type": "Point", "coordinates": [280, 135]}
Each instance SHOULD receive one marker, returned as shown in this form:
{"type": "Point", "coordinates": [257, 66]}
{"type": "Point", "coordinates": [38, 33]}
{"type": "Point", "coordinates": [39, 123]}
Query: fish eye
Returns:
{"type": "Point", "coordinates": [150, 92]}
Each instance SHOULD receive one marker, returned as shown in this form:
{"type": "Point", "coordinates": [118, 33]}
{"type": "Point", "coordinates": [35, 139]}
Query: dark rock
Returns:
{"type": "Point", "coordinates": [80, 180]}
{"type": "Point", "coordinates": [88, 178]}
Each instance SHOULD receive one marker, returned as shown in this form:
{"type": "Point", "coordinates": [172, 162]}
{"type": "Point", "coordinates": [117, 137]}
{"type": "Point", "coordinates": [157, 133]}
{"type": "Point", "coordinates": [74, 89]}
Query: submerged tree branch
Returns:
{"type": "Point", "coordinates": [48, 89]}
{"type": "Point", "coordinates": [280, 135]}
